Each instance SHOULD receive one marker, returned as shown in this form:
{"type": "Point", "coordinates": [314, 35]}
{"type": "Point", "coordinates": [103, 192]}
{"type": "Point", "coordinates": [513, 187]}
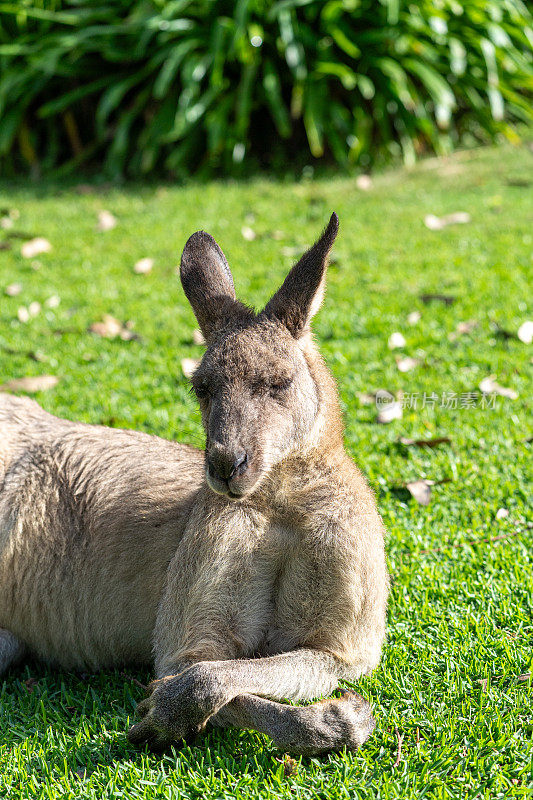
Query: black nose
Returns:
{"type": "Point", "coordinates": [225, 466]}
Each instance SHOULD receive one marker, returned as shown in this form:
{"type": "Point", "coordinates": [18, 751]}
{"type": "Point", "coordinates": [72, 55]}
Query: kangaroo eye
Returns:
{"type": "Point", "coordinates": [280, 387]}
{"type": "Point", "coordinates": [202, 392]}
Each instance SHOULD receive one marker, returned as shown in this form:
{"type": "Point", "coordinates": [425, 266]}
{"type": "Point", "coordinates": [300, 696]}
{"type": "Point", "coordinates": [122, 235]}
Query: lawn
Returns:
{"type": "Point", "coordinates": [452, 686]}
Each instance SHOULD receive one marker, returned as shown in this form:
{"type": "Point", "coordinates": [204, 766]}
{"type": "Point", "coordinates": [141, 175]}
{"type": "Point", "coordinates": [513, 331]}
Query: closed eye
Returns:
{"type": "Point", "coordinates": [280, 387]}
{"type": "Point", "coordinates": [201, 391]}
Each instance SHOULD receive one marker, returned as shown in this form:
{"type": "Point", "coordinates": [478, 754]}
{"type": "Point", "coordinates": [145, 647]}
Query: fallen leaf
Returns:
{"type": "Point", "coordinates": [399, 739]}
{"type": "Point", "coordinates": [143, 266]}
{"type": "Point", "coordinates": [502, 513]}
{"type": "Point", "coordinates": [13, 289]}
{"type": "Point", "coordinates": [396, 340]}
{"type": "Point", "coordinates": [290, 766]}
{"type": "Point", "coordinates": [110, 328]}
{"type": "Point", "coordinates": [29, 683]}
{"type": "Point", "coordinates": [447, 299]}
{"type": "Point", "coordinates": [35, 247]}
{"type": "Point", "coordinates": [277, 235]}
{"type": "Point", "coordinates": [37, 383]}
{"type": "Point", "coordinates": [363, 182]}
{"type": "Point", "coordinates": [414, 317]}
{"type": "Point", "coordinates": [406, 364]}
{"type": "Point", "coordinates": [189, 366]}
{"type": "Point", "coordinates": [424, 442]}
{"type": "Point", "coordinates": [466, 327]}
{"type": "Point", "coordinates": [366, 399]}
{"type": "Point", "coordinates": [438, 223]}
{"type": "Point", "coordinates": [388, 407]}
{"type": "Point", "coordinates": [106, 221]}
{"type": "Point", "coordinates": [525, 332]}
{"type": "Point", "coordinates": [420, 490]}
{"type": "Point", "coordinates": [198, 337]}
{"type": "Point", "coordinates": [490, 386]}
{"type": "Point", "coordinates": [248, 233]}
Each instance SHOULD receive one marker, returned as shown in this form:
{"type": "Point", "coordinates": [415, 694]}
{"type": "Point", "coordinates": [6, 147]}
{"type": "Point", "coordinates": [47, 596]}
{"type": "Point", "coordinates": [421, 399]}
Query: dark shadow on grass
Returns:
{"type": "Point", "coordinates": [104, 702]}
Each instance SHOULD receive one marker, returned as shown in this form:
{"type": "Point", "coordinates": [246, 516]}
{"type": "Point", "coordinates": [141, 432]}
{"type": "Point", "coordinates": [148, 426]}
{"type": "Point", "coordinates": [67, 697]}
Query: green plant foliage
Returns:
{"type": "Point", "coordinates": [180, 86]}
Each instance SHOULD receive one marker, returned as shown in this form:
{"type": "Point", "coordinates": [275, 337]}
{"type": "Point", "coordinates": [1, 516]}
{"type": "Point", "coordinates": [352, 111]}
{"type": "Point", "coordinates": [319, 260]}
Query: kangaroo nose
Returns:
{"type": "Point", "coordinates": [225, 465]}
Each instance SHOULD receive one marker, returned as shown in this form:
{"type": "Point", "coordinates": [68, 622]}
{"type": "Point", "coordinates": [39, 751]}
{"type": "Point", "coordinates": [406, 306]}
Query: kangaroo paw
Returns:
{"type": "Point", "coordinates": [178, 708]}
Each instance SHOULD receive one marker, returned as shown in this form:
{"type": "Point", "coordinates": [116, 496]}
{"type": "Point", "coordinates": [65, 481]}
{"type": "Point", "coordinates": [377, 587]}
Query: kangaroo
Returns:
{"type": "Point", "coordinates": [251, 573]}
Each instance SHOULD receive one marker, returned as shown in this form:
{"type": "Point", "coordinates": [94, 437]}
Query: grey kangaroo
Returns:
{"type": "Point", "coordinates": [251, 573]}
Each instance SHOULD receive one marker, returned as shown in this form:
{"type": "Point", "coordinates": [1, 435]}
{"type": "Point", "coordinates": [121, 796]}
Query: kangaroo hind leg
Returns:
{"type": "Point", "coordinates": [11, 650]}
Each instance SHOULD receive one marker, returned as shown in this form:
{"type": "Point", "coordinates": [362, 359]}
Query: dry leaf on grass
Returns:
{"type": "Point", "coordinates": [35, 247]}
{"type": "Point", "coordinates": [407, 364]}
{"type": "Point", "coordinates": [13, 289]}
{"type": "Point", "coordinates": [463, 328]}
{"type": "Point", "coordinates": [490, 386]}
{"type": "Point", "coordinates": [396, 340]}
{"type": "Point", "coordinates": [198, 337]}
{"type": "Point", "coordinates": [525, 332]}
{"type": "Point", "coordinates": [277, 235]}
{"type": "Point", "coordinates": [106, 221]}
{"type": "Point", "coordinates": [109, 328]}
{"type": "Point", "coordinates": [366, 399]}
{"type": "Point", "coordinates": [420, 490]}
{"type": "Point", "coordinates": [37, 383]}
{"type": "Point", "coordinates": [447, 299]}
{"type": "Point", "coordinates": [290, 766]}
{"type": "Point", "coordinates": [363, 182]}
{"type": "Point", "coordinates": [438, 223]}
{"type": "Point", "coordinates": [143, 266]}
{"type": "Point", "coordinates": [424, 442]}
{"type": "Point", "coordinates": [25, 314]}
{"type": "Point", "coordinates": [248, 233]}
{"type": "Point", "coordinates": [189, 366]}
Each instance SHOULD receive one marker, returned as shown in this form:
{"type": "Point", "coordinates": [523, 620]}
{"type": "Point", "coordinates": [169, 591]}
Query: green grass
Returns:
{"type": "Point", "coordinates": [462, 586]}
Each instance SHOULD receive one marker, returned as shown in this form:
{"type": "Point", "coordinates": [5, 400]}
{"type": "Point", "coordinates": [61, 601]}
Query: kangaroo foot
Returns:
{"type": "Point", "coordinates": [328, 725]}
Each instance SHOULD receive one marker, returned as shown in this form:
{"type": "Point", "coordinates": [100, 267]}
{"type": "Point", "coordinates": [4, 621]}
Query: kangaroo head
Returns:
{"type": "Point", "coordinates": [258, 397]}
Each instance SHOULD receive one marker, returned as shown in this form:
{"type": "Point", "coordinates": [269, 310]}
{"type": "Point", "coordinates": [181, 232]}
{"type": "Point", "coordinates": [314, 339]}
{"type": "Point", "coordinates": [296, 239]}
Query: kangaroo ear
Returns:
{"type": "Point", "coordinates": [207, 282]}
{"type": "Point", "coordinates": [300, 296]}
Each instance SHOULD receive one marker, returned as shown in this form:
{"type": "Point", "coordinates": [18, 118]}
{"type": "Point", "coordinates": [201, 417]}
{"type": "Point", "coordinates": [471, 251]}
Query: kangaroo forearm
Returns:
{"type": "Point", "coordinates": [296, 675]}
{"type": "Point", "coordinates": [308, 730]}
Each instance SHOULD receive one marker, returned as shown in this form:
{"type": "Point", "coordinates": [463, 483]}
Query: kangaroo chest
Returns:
{"type": "Point", "coordinates": [280, 593]}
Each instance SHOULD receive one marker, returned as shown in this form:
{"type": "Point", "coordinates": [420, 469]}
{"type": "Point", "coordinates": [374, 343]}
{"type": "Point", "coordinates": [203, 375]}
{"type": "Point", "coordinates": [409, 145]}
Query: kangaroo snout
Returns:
{"type": "Point", "coordinates": [225, 468]}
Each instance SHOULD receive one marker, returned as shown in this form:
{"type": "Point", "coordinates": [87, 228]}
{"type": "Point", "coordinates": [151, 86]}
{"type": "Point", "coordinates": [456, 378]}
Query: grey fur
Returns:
{"type": "Point", "coordinates": [250, 574]}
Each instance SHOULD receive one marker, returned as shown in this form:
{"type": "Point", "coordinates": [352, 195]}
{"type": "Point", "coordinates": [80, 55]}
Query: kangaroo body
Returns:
{"type": "Point", "coordinates": [251, 573]}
